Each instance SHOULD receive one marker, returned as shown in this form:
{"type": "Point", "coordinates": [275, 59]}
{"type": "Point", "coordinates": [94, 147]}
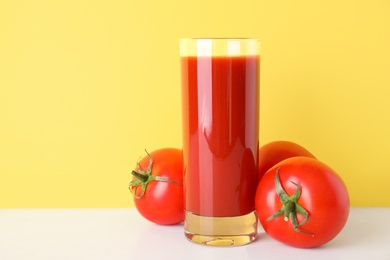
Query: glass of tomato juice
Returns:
{"type": "Point", "coordinates": [220, 117]}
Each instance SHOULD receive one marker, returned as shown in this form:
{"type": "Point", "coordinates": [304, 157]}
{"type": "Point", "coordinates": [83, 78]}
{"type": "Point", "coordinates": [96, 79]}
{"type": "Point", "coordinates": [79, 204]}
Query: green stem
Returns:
{"type": "Point", "coordinates": [139, 176]}
{"type": "Point", "coordinates": [143, 178]}
{"type": "Point", "coordinates": [290, 206]}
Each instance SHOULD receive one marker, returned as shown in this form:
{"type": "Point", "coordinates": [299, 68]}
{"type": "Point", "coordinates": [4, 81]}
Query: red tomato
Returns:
{"type": "Point", "coordinates": [276, 151]}
{"type": "Point", "coordinates": [315, 201]}
{"type": "Point", "coordinates": [157, 186]}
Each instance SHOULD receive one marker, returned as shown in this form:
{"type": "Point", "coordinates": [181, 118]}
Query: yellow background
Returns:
{"type": "Point", "coordinates": [86, 86]}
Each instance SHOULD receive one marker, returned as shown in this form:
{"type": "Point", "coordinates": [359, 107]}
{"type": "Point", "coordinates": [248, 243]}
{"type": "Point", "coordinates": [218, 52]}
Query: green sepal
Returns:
{"type": "Point", "coordinates": [290, 206]}
{"type": "Point", "coordinates": [143, 178]}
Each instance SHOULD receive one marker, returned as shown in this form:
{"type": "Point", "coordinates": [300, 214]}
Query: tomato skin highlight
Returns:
{"type": "Point", "coordinates": [324, 195]}
{"type": "Point", "coordinates": [277, 151]}
{"type": "Point", "coordinates": [162, 202]}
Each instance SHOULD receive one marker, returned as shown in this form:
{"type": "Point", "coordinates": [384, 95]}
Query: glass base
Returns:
{"type": "Point", "coordinates": [221, 231]}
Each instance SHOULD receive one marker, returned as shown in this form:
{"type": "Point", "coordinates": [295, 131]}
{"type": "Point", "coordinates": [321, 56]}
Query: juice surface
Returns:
{"type": "Point", "coordinates": [220, 134]}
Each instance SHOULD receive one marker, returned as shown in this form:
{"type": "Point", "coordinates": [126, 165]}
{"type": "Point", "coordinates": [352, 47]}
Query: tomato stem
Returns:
{"type": "Point", "coordinates": [290, 206]}
{"type": "Point", "coordinates": [139, 176]}
{"type": "Point", "coordinates": [143, 178]}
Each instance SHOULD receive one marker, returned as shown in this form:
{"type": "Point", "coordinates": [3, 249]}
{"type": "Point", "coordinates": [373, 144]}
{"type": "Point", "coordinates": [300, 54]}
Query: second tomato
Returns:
{"type": "Point", "coordinates": [276, 151]}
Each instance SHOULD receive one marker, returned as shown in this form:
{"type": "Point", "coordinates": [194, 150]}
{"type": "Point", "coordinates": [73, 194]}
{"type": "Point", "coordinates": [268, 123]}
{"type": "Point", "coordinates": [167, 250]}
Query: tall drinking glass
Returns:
{"type": "Point", "coordinates": [220, 109]}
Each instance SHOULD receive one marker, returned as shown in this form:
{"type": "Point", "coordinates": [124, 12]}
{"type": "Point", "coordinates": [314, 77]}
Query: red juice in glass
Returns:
{"type": "Point", "coordinates": [220, 93]}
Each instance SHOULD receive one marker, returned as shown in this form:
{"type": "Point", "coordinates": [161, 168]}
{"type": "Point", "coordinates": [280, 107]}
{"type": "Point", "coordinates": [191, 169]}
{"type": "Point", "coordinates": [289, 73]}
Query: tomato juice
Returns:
{"type": "Point", "coordinates": [220, 133]}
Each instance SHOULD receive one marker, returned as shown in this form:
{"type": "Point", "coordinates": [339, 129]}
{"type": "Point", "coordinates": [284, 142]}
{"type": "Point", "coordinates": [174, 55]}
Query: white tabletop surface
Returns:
{"type": "Point", "coordinates": [124, 234]}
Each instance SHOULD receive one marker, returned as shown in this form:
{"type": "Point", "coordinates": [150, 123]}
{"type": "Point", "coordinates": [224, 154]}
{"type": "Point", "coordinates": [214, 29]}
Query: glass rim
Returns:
{"type": "Point", "coordinates": [219, 38]}
{"type": "Point", "coordinates": [219, 47]}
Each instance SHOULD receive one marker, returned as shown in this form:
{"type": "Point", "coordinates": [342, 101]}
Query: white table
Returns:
{"type": "Point", "coordinates": [124, 234]}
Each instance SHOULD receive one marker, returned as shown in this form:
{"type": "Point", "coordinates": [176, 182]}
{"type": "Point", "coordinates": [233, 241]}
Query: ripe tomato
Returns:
{"type": "Point", "coordinates": [302, 202]}
{"type": "Point", "coordinates": [157, 186]}
{"type": "Point", "coordinates": [276, 151]}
